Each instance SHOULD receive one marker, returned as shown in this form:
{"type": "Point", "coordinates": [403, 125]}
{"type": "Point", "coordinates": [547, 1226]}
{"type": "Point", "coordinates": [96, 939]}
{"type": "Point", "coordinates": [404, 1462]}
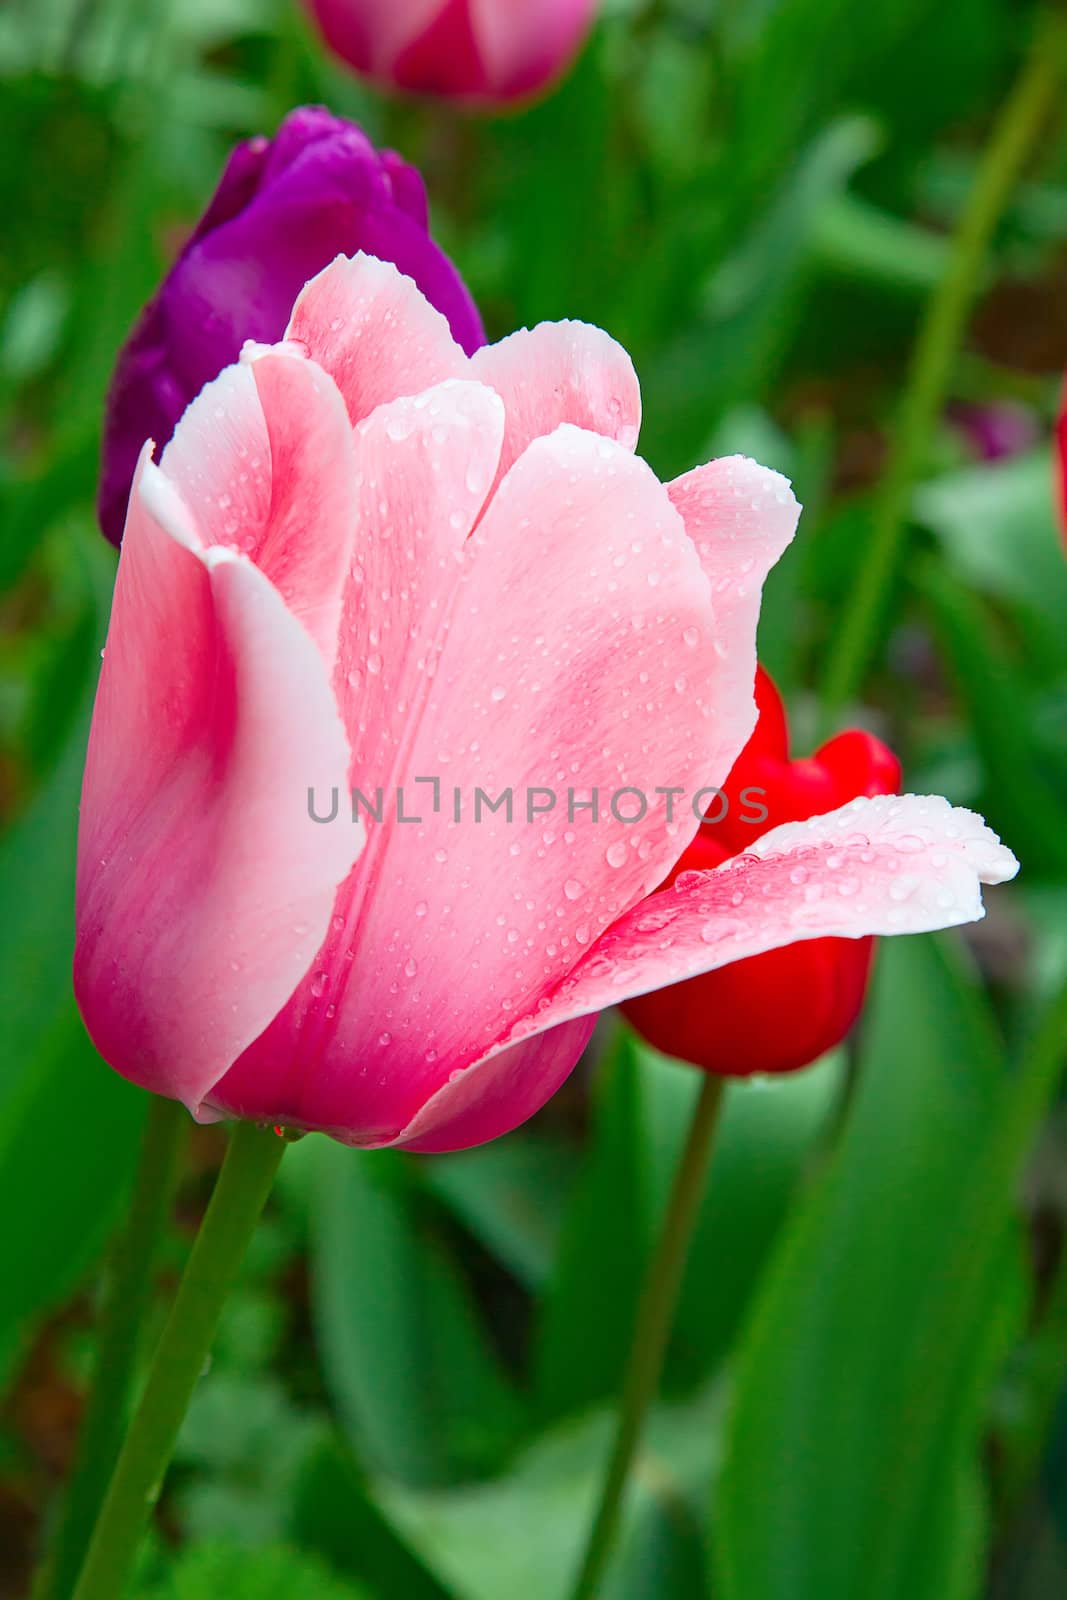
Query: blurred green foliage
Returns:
{"type": "Point", "coordinates": [408, 1397]}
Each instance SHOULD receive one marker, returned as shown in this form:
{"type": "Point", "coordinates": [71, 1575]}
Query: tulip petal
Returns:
{"type": "Point", "coordinates": [892, 864]}
{"type": "Point", "coordinates": [431, 460]}
{"type": "Point", "coordinates": [561, 372]}
{"type": "Point", "coordinates": [219, 460]}
{"type": "Point", "coordinates": [527, 42]}
{"type": "Point", "coordinates": [372, 34]}
{"type": "Point", "coordinates": [588, 696]}
{"type": "Point", "coordinates": [204, 887]}
{"type": "Point", "coordinates": [741, 517]}
{"type": "Point", "coordinates": [468, 923]}
{"type": "Point", "coordinates": [263, 460]}
{"type": "Point", "coordinates": [379, 339]}
{"type": "Point", "coordinates": [485, 1103]}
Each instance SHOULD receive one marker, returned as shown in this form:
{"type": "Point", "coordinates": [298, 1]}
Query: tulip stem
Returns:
{"type": "Point", "coordinates": [940, 332]}
{"type": "Point", "coordinates": [124, 1308]}
{"type": "Point", "coordinates": [229, 1223]}
{"type": "Point", "coordinates": [655, 1315]}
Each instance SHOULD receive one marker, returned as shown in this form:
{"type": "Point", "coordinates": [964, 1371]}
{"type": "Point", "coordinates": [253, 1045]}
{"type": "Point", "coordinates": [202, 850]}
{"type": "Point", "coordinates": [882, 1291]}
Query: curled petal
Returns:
{"type": "Point", "coordinates": [561, 372]}
{"type": "Point", "coordinates": [892, 864]}
{"type": "Point", "coordinates": [368, 326]}
{"type": "Point", "coordinates": [264, 461]}
{"type": "Point", "coordinates": [204, 889]}
{"type": "Point", "coordinates": [487, 1101]}
{"type": "Point", "coordinates": [741, 517]}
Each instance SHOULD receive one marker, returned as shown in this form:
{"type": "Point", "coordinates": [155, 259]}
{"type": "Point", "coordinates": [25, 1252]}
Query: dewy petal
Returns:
{"type": "Point", "coordinates": [223, 427]}
{"type": "Point", "coordinates": [588, 695]}
{"type": "Point", "coordinates": [264, 461]}
{"type": "Point", "coordinates": [204, 888]}
{"type": "Point", "coordinates": [472, 1108]}
{"type": "Point", "coordinates": [892, 864]}
{"type": "Point", "coordinates": [561, 372]}
{"type": "Point", "coordinates": [426, 464]}
{"type": "Point", "coordinates": [741, 517]}
{"type": "Point", "coordinates": [368, 326]}
{"type": "Point", "coordinates": [574, 656]}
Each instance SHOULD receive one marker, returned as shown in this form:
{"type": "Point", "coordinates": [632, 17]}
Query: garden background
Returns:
{"type": "Point", "coordinates": [410, 1396]}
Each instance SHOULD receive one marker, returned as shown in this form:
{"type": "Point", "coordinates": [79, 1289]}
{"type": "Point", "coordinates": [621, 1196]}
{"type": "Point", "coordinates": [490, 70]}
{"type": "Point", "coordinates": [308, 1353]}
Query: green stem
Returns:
{"type": "Point", "coordinates": [655, 1315]}
{"type": "Point", "coordinates": [125, 1305]}
{"type": "Point", "coordinates": [240, 1195]}
{"type": "Point", "coordinates": [938, 341]}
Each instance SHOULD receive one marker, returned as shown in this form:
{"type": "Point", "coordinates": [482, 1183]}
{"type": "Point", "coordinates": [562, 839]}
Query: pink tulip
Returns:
{"type": "Point", "coordinates": [479, 50]}
{"type": "Point", "coordinates": [367, 560]}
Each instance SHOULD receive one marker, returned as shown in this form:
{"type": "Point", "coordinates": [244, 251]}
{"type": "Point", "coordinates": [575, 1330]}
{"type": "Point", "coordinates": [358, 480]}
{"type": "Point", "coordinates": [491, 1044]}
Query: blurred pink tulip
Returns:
{"type": "Point", "coordinates": [477, 50]}
{"type": "Point", "coordinates": [367, 560]}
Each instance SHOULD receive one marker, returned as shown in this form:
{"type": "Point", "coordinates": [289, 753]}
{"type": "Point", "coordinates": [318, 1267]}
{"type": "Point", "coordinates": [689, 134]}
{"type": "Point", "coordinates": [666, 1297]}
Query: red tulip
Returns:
{"type": "Point", "coordinates": [781, 1010]}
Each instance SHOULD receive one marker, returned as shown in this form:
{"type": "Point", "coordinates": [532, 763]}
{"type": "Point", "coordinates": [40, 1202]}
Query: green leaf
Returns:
{"type": "Point", "coordinates": [68, 1125]}
{"type": "Point", "coordinates": [247, 1444]}
{"type": "Point", "coordinates": [408, 1365]}
{"type": "Point", "coordinates": [791, 62]}
{"type": "Point", "coordinates": [523, 1533]}
{"type": "Point", "coordinates": [862, 241]}
{"type": "Point", "coordinates": [536, 209]}
{"type": "Point", "coordinates": [37, 864]}
{"type": "Point", "coordinates": [664, 1549]}
{"type": "Point", "coordinates": [334, 1515]}
{"type": "Point", "coordinates": [838, 1359]}
{"type": "Point", "coordinates": [510, 1194]}
{"type": "Point", "coordinates": [998, 528]}
{"type": "Point", "coordinates": [1022, 751]}
{"type": "Point", "coordinates": [68, 1139]}
{"type": "Point", "coordinates": [276, 1572]}
{"type": "Point", "coordinates": [733, 352]}
{"type": "Point", "coordinates": [586, 1316]}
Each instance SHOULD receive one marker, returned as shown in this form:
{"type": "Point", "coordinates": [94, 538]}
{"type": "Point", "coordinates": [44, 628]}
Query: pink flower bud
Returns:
{"type": "Point", "coordinates": [477, 50]}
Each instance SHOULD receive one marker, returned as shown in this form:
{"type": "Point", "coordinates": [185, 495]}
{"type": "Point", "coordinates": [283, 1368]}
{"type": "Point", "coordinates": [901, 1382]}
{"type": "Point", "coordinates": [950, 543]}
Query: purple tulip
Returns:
{"type": "Point", "coordinates": [284, 208]}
